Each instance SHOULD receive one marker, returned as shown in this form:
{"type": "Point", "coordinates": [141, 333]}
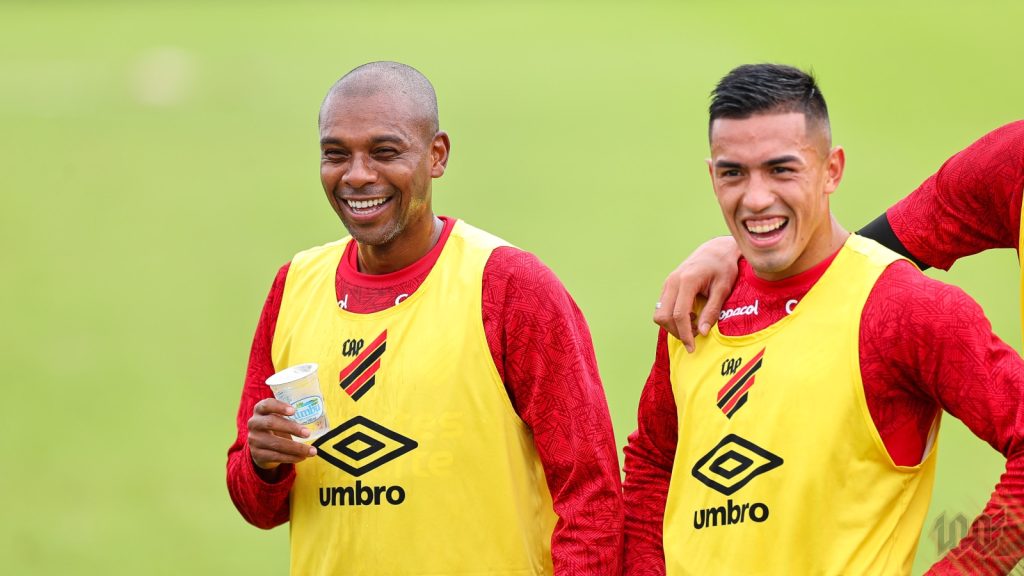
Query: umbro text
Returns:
{"type": "Point", "coordinates": [730, 514]}
{"type": "Point", "coordinates": [360, 495]}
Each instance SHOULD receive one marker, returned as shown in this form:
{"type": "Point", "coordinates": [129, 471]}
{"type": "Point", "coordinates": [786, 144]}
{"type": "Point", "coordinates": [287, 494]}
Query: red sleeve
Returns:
{"type": "Point", "coordinates": [541, 345]}
{"type": "Point", "coordinates": [261, 497]}
{"type": "Point", "coordinates": [971, 204]}
{"type": "Point", "coordinates": [939, 350]}
{"type": "Point", "coordinates": [649, 456]}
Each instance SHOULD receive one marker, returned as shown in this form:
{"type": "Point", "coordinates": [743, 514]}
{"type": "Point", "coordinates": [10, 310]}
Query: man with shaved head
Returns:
{"type": "Point", "coordinates": [469, 429]}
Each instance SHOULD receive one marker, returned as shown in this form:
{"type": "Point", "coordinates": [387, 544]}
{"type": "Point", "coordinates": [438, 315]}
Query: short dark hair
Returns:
{"type": "Point", "coordinates": [767, 89]}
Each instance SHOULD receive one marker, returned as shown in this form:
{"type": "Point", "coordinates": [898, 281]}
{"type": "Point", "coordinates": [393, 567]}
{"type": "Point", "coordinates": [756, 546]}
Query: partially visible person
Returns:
{"type": "Point", "coordinates": [799, 437]}
{"type": "Point", "coordinates": [471, 434]}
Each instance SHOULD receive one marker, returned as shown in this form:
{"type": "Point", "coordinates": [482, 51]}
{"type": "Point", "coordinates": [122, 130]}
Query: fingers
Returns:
{"type": "Point", "coordinates": [719, 289]}
{"type": "Point", "coordinates": [683, 317]}
{"type": "Point", "coordinates": [710, 271]}
{"type": "Point", "coordinates": [713, 307]}
{"type": "Point", "coordinates": [675, 310]}
{"type": "Point", "coordinates": [269, 451]}
{"type": "Point", "coordinates": [273, 406]}
{"type": "Point", "coordinates": [663, 308]}
{"type": "Point", "coordinates": [672, 312]}
{"type": "Point", "coordinates": [270, 435]}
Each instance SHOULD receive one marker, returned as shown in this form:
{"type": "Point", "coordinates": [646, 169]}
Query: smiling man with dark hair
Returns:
{"type": "Point", "coordinates": [800, 435]}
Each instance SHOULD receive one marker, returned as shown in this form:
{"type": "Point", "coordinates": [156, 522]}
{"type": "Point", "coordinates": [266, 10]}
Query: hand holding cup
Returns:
{"type": "Point", "coordinates": [296, 414]}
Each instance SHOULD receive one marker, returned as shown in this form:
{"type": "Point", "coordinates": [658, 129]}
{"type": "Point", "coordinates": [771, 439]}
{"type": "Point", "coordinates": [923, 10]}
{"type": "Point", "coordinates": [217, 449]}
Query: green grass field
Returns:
{"type": "Point", "coordinates": [159, 162]}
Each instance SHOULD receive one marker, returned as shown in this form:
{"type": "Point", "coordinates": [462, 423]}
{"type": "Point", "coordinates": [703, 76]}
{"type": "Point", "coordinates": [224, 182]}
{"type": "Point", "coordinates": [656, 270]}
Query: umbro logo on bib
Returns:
{"type": "Point", "coordinates": [727, 468]}
{"type": "Point", "coordinates": [360, 445]}
{"type": "Point", "coordinates": [733, 463]}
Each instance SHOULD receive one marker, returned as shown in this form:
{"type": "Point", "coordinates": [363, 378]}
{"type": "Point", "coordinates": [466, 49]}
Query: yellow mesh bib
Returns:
{"type": "Point", "coordinates": [427, 468]}
{"type": "Point", "coordinates": [779, 468]}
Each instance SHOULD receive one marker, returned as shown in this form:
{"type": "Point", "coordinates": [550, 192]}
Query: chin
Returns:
{"type": "Point", "coordinates": [380, 235]}
{"type": "Point", "coordinates": [773, 265]}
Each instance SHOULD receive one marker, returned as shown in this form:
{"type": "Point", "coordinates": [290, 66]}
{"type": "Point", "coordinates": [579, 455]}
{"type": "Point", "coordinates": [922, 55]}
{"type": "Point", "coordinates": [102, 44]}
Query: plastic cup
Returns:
{"type": "Point", "coordinates": [300, 387]}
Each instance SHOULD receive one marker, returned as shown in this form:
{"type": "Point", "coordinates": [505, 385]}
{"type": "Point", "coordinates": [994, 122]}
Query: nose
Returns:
{"type": "Point", "coordinates": [359, 172]}
{"type": "Point", "coordinates": [759, 195]}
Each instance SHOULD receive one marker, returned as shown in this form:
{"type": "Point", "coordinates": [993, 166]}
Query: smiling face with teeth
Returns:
{"type": "Point", "coordinates": [772, 175]}
{"type": "Point", "coordinates": [379, 151]}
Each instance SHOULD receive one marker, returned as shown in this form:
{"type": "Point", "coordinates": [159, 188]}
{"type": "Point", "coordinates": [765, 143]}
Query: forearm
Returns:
{"type": "Point", "coordinates": [587, 539]}
{"type": "Point", "coordinates": [995, 542]}
{"type": "Point", "coordinates": [262, 502]}
{"type": "Point", "coordinates": [649, 459]}
{"type": "Point", "coordinates": [544, 353]}
{"type": "Point", "coordinates": [568, 414]}
{"type": "Point", "coordinates": [645, 490]}
{"type": "Point", "coordinates": [261, 496]}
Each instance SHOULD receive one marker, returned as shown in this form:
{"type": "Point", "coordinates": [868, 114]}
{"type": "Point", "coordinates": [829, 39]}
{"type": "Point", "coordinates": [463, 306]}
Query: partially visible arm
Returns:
{"type": "Point", "coordinates": [881, 231]}
{"type": "Point", "coordinates": [939, 346]}
{"type": "Point", "coordinates": [700, 285]}
{"type": "Point", "coordinates": [971, 204]}
{"type": "Point", "coordinates": [649, 457]}
{"type": "Point", "coordinates": [260, 495]}
{"type": "Point", "coordinates": [542, 348]}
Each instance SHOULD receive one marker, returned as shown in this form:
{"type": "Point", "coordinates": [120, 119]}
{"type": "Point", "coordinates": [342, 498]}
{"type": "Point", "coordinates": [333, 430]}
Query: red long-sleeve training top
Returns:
{"type": "Point", "coordinates": [542, 349]}
{"type": "Point", "coordinates": [924, 346]}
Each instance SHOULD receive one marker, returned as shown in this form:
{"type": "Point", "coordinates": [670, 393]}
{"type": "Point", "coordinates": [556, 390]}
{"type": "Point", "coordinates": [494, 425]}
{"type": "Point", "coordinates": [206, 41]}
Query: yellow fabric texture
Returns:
{"type": "Point", "coordinates": [433, 472]}
{"type": "Point", "coordinates": [796, 479]}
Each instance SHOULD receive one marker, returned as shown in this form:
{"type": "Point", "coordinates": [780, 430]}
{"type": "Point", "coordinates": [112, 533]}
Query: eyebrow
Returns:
{"type": "Point", "coordinates": [330, 140]}
{"type": "Point", "coordinates": [387, 138]}
{"type": "Point", "coordinates": [789, 158]}
{"type": "Point", "coordinates": [727, 164]}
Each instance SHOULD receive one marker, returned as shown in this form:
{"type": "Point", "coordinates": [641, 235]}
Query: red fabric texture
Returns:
{"type": "Point", "coordinates": [924, 345]}
{"type": "Point", "coordinates": [541, 346]}
{"type": "Point", "coordinates": [970, 205]}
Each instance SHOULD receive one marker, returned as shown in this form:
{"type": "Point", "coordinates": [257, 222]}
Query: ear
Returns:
{"type": "Point", "coordinates": [440, 148]}
{"type": "Point", "coordinates": [834, 170]}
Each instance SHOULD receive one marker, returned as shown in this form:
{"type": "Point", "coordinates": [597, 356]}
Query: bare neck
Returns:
{"type": "Point", "coordinates": [411, 245]}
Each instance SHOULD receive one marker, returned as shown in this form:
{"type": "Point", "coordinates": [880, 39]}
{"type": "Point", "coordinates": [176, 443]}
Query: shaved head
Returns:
{"type": "Point", "coordinates": [393, 78]}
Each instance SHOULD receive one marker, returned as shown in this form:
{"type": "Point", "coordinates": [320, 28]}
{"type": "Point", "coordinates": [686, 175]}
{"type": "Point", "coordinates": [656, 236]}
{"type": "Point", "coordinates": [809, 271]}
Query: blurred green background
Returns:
{"type": "Point", "coordinates": [159, 161]}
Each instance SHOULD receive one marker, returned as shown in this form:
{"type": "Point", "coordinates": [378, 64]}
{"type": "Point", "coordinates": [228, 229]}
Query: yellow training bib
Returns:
{"type": "Point", "coordinates": [427, 468]}
{"type": "Point", "coordinates": [779, 468]}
